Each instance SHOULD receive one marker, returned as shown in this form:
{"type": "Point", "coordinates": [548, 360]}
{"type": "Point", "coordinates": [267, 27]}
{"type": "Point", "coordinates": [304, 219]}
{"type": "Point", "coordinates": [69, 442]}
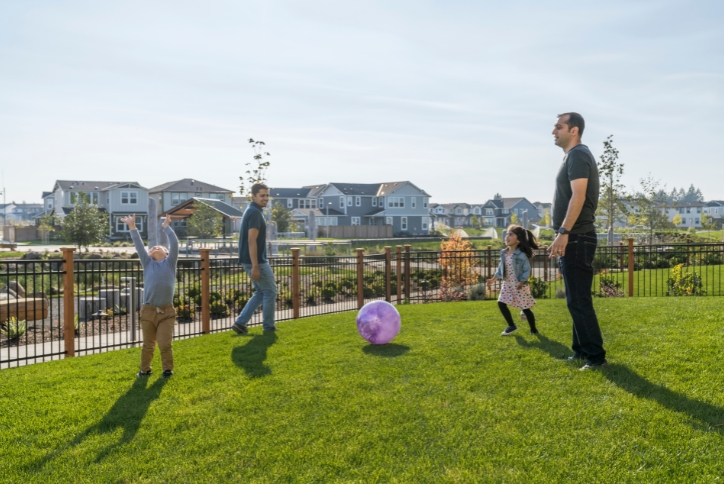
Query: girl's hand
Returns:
{"type": "Point", "coordinates": [521, 285]}
{"type": "Point", "coordinates": [490, 281]}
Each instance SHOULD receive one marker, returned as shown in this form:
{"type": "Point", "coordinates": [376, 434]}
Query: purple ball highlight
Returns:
{"type": "Point", "coordinates": [378, 322]}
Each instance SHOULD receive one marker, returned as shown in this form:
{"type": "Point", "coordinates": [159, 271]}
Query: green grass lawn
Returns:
{"type": "Point", "coordinates": [448, 401]}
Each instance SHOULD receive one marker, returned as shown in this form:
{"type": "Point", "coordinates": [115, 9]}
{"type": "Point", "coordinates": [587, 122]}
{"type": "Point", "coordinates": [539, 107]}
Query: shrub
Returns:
{"type": "Point", "coordinates": [538, 288]}
{"type": "Point", "coordinates": [560, 293]}
{"type": "Point", "coordinates": [13, 328]}
{"type": "Point", "coordinates": [608, 287]}
{"type": "Point", "coordinates": [476, 292]}
{"type": "Point", "coordinates": [684, 283]}
{"type": "Point", "coordinates": [185, 311]}
{"type": "Point", "coordinates": [312, 295]}
{"type": "Point", "coordinates": [219, 309]}
{"type": "Point", "coordinates": [328, 293]}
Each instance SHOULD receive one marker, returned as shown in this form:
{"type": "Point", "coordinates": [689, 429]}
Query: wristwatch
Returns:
{"type": "Point", "coordinates": [563, 231]}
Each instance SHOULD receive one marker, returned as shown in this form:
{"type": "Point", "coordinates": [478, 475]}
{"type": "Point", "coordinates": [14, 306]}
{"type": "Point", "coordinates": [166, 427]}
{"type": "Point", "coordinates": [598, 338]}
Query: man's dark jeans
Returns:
{"type": "Point", "coordinates": [577, 270]}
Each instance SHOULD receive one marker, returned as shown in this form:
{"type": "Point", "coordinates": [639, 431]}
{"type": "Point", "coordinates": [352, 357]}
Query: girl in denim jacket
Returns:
{"type": "Point", "coordinates": [514, 270]}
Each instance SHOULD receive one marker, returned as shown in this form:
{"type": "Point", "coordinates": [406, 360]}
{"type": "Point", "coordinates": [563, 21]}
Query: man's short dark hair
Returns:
{"type": "Point", "coordinates": [257, 187]}
{"type": "Point", "coordinates": [575, 120]}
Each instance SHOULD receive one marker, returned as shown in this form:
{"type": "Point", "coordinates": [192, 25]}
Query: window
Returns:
{"type": "Point", "coordinates": [488, 211]}
{"type": "Point", "coordinates": [357, 201]}
{"type": "Point", "coordinates": [355, 220]}
{"type": "Point", "coordinates": [413, 202]}
{"type": "Point", "coordinates": [349, 201]}
{"type": "Point", "coordinates": [216, 196]}
{"type": "Point", "coordinates": [341, 202]}
{"type": "Point", "coordinates": [506, 211]}
{"type": "Point", "coordinates": [290, 203]}
{"type": "Point", "coordinates": [381, 202]}
{"type": "Point", "coordinates": [458, 211]}
{"type": "Point", "coordinates": [403, 223]}
{"type": "Point", "coordinates": [698, 210]}
{"type": "Point", "coordinates": [388, 220]}
{"type": "Point", "coordinates": [320, 202]}
{"type": "Point", "coordinates": [424, 203]}
{"type": "Point", "coordinates": [314, 203]}
{"type": "Point", "coordinates": [425, 221]}
{"type": "Point", "coordinates": [178, 198]}
{"type": "Point", "coordinates": [374, 201]}
{"type": "Point", "coordinates": [129, 198]}
{"type": "Point", "coordinates": [477, 211]}
{"type": "Point", "coordinates": [696, 221]}
{"type": "Point", "coordinates": [121, 227]}
{"type": "Point", "coordinates": [178, 223]}
{"type": "Point", "coordinates": [396, 202]}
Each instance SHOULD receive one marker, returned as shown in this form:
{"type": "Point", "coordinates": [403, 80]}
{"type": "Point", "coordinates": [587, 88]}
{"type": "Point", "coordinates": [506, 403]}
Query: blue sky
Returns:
{"type": "Point", "coordinates": [458, 97]}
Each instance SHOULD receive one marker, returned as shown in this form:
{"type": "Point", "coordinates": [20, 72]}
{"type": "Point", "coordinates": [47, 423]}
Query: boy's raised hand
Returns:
{"type": "Point", "coordinates": [130, 220]}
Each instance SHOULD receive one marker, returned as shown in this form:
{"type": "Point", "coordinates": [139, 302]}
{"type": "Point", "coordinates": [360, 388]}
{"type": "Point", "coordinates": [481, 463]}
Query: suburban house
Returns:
{"type": "Point", "coordinates": [171, 194]}
{"type": "Point", "coordinates": [20, 212]}
{"type": "Point", "coordinates": [499, 212]}
{"type": "Point", "coordinates": [402, 205]}
{"type": "Point", "coordinates": [715, 210]}
{"type": "Point", "coordinates": [181, 212]}
{"type": "Point", "coordinates": [690, 213]}
{"type": "Point", "coordinates": [117, 199]}
{"type": "Point", "coordinates": [543, 207]}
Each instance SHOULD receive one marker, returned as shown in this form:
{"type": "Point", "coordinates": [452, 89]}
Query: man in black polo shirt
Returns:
{"type": "Point", "coordinates": [252, 255]}
{"type": "Point", "coordinates": [574, 207]}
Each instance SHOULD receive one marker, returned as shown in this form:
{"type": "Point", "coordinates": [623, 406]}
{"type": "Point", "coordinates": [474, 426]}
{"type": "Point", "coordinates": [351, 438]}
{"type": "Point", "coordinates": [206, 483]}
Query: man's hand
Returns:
{"type": "Point", "coordinates": [166, 221]}
{"type": "Point", "coordinates": [130, 220]}
{"type": "Point", "coordinates": [558, 248]}
{"type": "Point", "coordinates": [255, 274]}
{"type": "Point", "coordinates": [491, 281]}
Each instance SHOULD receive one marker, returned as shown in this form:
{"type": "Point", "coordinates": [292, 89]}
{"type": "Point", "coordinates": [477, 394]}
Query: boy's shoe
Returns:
{"type": "Point", "coordinates": [509, 330]}
{"type": "Point", "coordinates": [594, 366]}
{"type": "Point", "coordinates": [167, 373]}
{"type": "Point", "coordinates": [240, 328]}
{"type": "Point", "coordinates": [142, 374]}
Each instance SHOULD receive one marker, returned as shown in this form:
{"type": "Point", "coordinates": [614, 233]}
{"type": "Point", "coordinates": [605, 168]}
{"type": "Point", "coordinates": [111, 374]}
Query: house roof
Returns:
{"type": "Point", "coordinates": [289, 192]}
{"type": "Point", "coordinates": [542, 204]}
{"type": "Point", "coordinates": [186, 208]}
{"type": "Point", "coordinates": [369, 189]}
{"type": "Point", "coordinates": [315, 190]}
{"type": "Point", "coordinates": [715, 203]}
{"type": "Point", "coordinates": [85, 185]}
{"type": "Point", "coordinates": [46, 194]}
{"type": "Point", "coordinates": [304, 212]}
{"type": "Point", "coordinates": [688, 204]}
{"type": "Point", "coordinates": [188, 185]}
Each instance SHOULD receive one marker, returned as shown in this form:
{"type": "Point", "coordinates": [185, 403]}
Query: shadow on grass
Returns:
{"type": "Point", "coordinates": [388, 350]}
{"type": "Point", "coordinates": [628, 380]}
{"type": "Point", "coordinates": [251, 356]}
{"type": "Point", "coordinates": [127, 413]}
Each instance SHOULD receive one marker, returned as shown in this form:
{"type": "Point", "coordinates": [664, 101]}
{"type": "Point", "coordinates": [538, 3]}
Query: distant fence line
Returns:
{"type": "Point", "coordinates": [74, 307]}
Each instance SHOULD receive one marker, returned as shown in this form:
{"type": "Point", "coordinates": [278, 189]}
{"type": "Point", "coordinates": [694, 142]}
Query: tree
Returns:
{"type": "Point", "coordinates": [611, 205]}
{"type": "Point", "coordinates": [497, 196]}
{"type": "Point", "coordinates": [256, 170]}
{"type": "Point", "coordinates": [282, 216]}
{"type": "Point", "coordinates": [475, 221]}
{"type": "Point", "coordinates": [513, 219]}
{"type": "Point", "coordinates": [457, 260]}
{"type": "Point", "coordinates": [546, 217]}
{"type": "Point", "coordinates": [649, 207]}
{"type": "Point", "coordinates": [205, 222]}
{"type": "Point", "coordinates": [46, 226]}
{"type": "Point", "coordinates": [85, 225]}
{"type": "Point", "coordinates": [707, 223]}
{"type": "Point", "coordinates": [677, 220]}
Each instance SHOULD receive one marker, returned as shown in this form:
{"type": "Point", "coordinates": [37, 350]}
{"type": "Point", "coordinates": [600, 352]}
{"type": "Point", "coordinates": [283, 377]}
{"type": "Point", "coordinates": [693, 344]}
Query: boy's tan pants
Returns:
{"type": "Point", "coordinates": [157, 324]}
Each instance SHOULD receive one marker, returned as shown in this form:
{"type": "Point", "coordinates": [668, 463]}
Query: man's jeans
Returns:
{"type": "Point", "coordinates": [577, 270]}
{"type": "Point", "coordinates": [265, 295]}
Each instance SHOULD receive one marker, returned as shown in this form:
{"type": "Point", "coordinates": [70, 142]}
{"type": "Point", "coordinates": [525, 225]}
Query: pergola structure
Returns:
{"type": "Point", "coordinates": [181, 212]}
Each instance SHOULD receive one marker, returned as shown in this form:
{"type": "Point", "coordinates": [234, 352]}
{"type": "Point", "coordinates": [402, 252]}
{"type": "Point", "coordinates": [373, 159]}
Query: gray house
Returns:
{"type": "Point", "coordinates": [171, 194]}
{"type": "Point", "coordinates": [118, 199]}
{"type": "Point", "coordinates": [498, 212]}
{"type": "Point", "coordinates": [402, 205]}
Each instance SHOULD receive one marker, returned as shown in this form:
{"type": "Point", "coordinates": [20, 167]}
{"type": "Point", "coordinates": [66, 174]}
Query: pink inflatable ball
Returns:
{"type": "Point", "coordinates": [378, 322]}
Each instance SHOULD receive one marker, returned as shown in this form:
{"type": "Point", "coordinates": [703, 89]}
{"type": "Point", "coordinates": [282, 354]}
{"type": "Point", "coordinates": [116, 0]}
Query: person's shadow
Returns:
{"type": "Point", "coordinates": [251, 356]}
{"type": "Point", "coordinates": [387, 350]}
{"type": "Point", "coordinates": [127, 413]}
{"type": "Point", "coordinates": [711, 416]}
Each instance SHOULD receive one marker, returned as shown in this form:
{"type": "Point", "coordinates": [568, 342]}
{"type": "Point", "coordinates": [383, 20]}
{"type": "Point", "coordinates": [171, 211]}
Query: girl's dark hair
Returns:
{"type": "Point", "coordinates": [526, 239]}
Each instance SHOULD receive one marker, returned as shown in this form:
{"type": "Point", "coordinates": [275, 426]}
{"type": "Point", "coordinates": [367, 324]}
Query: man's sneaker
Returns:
{"type": "Point", "coordinates": [575, 357]}
{"type": "Point", "coordinates": [509, 330]}
{"type": "Point", "coordinates": [167, 373]}
{"type": "Point", "coordinates": [271, 330]}
{"type": "Point", "coordinates": [142, 374]}
{"type": "Point", "coordinates": [594, 366]}
{"type": "Point", "coordinates": [240, 328]}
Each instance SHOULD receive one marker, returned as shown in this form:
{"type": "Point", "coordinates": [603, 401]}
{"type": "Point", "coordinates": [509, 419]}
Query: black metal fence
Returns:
{"type": "Point", "coordinates": [107, 294]}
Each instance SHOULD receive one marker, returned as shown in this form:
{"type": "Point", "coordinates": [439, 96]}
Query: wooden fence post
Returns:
{"type": "Point", "coordinates": [388, 274]}
{"type": "Point", "coordinates": [360, 278]}
{"type": "Point", "coordinates": [68, 302]}
{"type": "Point", "coordinates": [407, 272]}
{"type": "Point", "coordinates": [630, 267]}
{"type": "Point", "coordinates": [296, 299]}
{"type": "Point", "coordinates": [399, 273]}
{"type": "Point", "coordinates": [205, 290]}
{"type": "Point", "coordinates": [489, 261]}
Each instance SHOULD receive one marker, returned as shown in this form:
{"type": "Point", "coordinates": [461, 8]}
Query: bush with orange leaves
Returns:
{"type": "Point", "coordinates": [457, 260]}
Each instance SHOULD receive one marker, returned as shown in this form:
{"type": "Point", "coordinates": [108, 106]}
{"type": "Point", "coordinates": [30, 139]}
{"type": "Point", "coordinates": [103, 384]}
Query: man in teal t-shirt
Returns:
{"type": "Point", "coordinates": [252, 255]}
